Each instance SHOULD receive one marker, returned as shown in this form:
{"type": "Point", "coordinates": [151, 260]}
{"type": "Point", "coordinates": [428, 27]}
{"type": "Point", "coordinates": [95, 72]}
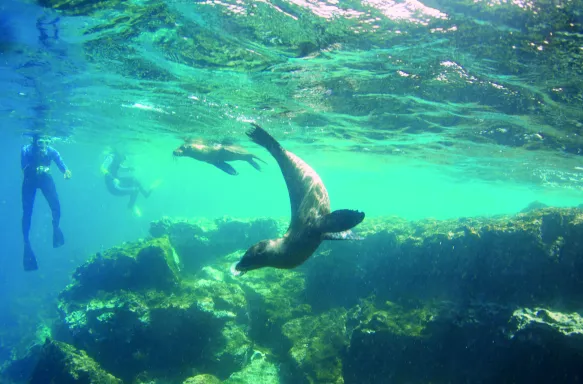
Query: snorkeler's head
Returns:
{"type": "Point", "coordinates": [40, 141]}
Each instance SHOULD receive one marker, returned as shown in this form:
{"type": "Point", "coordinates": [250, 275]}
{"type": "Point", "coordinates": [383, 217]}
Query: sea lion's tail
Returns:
{"type": "Point", "coordinates": [260, 136]}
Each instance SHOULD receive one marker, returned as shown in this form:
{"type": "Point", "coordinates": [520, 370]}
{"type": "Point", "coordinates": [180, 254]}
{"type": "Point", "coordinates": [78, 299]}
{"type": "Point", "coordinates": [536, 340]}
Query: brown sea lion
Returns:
{"type": "Point", "coordinates": [217, 155]}
{"type": "Point", "coordinates": [311, 219]}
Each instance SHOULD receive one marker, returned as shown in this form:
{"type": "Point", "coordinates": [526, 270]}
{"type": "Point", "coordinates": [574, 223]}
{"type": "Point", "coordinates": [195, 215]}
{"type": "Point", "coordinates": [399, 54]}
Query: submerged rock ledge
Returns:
{"type": "Point", "coordinates": [468, 300]}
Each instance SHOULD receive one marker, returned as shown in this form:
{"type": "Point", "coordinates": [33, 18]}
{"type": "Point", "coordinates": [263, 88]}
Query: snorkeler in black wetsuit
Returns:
{"type": "Point", "coordinates": [122, 186]}
{"type": "Point", "coordinates": [35, 161]}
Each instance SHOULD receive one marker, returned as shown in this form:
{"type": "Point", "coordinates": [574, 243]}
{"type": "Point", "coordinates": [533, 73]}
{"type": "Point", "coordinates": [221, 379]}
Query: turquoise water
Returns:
{"type": "Point", "coordinates": [409, 109]}
{"type": "Point", "coordinates": [380, 187]}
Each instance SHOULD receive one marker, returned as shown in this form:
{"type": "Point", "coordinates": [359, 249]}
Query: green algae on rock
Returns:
{"type": "Point", "coordinates": [547, 324]}
{"type": "Point", "coordinates": [62, 363]}
{"type": "Point", "coordinates": [135, 266]}
{"type": "Point", "coordinates": [274, 297]}
{"type": "Point", "coordinates": [392, 318]}
{"type": "Point", "coordinates": [259, 370]}
{"type": "Point", "coordinates": [526, 259]}
{"type": "Point", "coordinates": [433, 314]}
{"type": "Point", "coordinates": [202, 379]}
{"type": "Point", "coordinates": [318, 343]}
{"type": "Point", "coordinates": [158, 323]}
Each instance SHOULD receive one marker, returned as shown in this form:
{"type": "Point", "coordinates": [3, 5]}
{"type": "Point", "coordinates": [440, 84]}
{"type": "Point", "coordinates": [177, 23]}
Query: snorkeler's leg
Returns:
{"type": "Point", "coordinates": [133, 185]}
{"type": "Point", "coordinates": [50, 191]}
{"type": "Point", "coordinates": [133, 198]}
{"type": "Point", "coordinates": [28, 194]}
{"type": "Point", "coordinates": [127, 186]}
{"type": "Point", "coordinates": [144, 191]}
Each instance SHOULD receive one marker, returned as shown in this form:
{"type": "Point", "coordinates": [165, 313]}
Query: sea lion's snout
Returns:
{"type": "Point", "coordinates": [256, 257]}
{"type": "Point", "coordinates": [178, 151]}
{"type": "Point", "coordinates": [235, 271]}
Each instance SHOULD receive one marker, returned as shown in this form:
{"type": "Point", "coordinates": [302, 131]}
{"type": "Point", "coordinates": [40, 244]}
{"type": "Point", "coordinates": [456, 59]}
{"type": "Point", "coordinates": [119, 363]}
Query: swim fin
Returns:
{"type": "Point", "coordinates": [58, 238]}
{"type": "Point", "coordinates": [29, 260]}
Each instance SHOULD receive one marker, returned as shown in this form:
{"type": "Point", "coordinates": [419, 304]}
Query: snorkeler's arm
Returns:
{"type": "Point", "coordinates": [106, 164]}
{"type": "Point", "coordinates": [56, 157]}
{"type": "Point", "coordinates": [23, 163]}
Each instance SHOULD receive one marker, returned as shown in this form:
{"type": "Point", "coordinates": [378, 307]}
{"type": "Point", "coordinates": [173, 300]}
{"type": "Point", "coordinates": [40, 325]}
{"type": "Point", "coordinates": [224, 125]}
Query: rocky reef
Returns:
{"type": "Point", "coordinates": [482, 300]}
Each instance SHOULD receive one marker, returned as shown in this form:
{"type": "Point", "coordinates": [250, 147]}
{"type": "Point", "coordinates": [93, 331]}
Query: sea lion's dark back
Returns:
{"type": "Point", "coordinates": [308, 195]}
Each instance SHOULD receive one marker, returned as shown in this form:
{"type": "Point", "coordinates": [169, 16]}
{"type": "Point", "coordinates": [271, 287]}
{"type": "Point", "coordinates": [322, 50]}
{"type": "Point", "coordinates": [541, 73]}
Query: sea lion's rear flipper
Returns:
{"type": "Point", "coordinates": [344, 235]}
{"type": "Point", "coordinates": [340, 220]}
{"type": "Point", "coordinates": [260, 159]}
{"type": "Point", "coordinates": [254, 164]}
{"type": "Point", "coordinates": [226, 168]}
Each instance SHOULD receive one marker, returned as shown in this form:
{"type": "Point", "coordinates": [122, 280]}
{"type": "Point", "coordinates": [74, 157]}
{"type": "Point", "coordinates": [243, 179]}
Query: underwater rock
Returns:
{"type": "Point", "coordinates": [318, 342]}
{"type": "Point", "coordinates": [388, 341]}
{"type": "Point", "coordinates": [136, 267]}
{"type": "Point", "coordinates": [18, 370]}
{"type": "Point", "coordinates": [130, 333]}
{"type": "Point", "coordinates": [419, 342]}
{"type": "Point", "coordinates": [542, 346]}
{"type": "Point", "coordinates": [131, 326]}
{"type": "Point", "coordinates": [445, 291]}
{"type": "Point", "coordinates": [203, 241]}
{"type": "Point", "coordinates": [274, 297]}
{"type": "Point", "coordinates": [190, 240]}
{"type": "Point", "coordinates": [545, 328]}
{"type": "Point", "coordinates": [524, 260]}
{"type": "Point", "coordinates": [62, 363]}
{"type": "Point", "coordinates": [202, 379]}
{"type": "Point", "coordinates": [21, 353]}
{"type": "Point", "coordinates": [259, 370]}
{"type": "Point", "coordinates": [460, 342]}
{"type": "Point", "coordinates": [179, 228]}
{"type": "Point", "coordinates": [534, 206]}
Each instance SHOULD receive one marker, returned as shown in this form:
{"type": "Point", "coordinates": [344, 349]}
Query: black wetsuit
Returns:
{"type": "Point", "coordinates": [121, 186]}
{"type": "Point", "coordinates": [35, 167]}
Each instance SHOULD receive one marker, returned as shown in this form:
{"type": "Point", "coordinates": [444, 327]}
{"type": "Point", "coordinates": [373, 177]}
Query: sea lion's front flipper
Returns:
{"type": "Point", "coordinates": [340, 220]}
{"type": "Point", "coordinates": [226, 168]}
{"type": "Point", "coordinates": [344, 235]}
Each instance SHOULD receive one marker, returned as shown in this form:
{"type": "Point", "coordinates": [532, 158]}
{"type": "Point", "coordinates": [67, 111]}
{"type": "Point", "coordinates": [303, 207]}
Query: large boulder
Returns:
{"type": "Point", "coordinates": [136, 266]}
{"type": "Point", "coordinates": [130, 310]}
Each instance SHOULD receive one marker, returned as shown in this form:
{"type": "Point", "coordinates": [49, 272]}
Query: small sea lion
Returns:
{"type": "Point", "coordinates": [311, 219]}
{"type": "Point", "coordinates": [217, 155]}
